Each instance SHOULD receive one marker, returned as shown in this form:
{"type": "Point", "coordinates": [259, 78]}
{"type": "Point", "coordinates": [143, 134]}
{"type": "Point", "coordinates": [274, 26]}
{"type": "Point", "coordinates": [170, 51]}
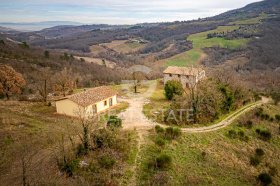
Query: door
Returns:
{"type": "Point", "coordinates": [111, 101]}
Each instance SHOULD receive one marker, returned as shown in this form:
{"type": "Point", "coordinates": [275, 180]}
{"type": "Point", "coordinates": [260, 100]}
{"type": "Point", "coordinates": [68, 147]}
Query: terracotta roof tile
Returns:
{"type": "Point", "coordinates": [182, 70]}
{"type": "Point", "coordinates": [92, 96]}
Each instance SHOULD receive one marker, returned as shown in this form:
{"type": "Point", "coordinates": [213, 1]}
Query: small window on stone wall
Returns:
{"type": "Point", "coordinates": [170, 75]}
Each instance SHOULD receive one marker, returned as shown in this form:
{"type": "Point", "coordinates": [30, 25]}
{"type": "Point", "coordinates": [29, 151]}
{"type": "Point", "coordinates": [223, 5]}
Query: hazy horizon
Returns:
{"type": "Point", "coordinates": [114, 12]}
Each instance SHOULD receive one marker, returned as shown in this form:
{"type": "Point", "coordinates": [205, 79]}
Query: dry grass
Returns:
{"type": "Point", "coordinates": [36, 132]}
{"type": "Point", "coordinates": [98, 61]}
{"type": "Point", "coordinates": [36, 128]}
{"type": "Point", "coordinates": [226, 160]}
{"type": "Point", "coordinates": [124, 46]}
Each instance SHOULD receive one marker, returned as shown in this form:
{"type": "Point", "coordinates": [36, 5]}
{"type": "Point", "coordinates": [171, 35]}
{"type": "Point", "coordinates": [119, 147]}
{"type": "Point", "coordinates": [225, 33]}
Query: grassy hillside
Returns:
{"type": "Point", "coordinates": [215, 158]}
{"type": "Point", "coordinates": [201, 41]}
{"type": "Point", "coordinates": [34, 134]}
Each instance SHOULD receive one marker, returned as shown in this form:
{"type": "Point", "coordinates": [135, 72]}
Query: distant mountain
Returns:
{"type": "Point", "coordinates": [66, 30]}
{"type": "Point", "coordinates": [6, 30]}
{"type": "Point", "coordinates": [65, 35]}
{"type": "Point", "coordinates": [35, 26]}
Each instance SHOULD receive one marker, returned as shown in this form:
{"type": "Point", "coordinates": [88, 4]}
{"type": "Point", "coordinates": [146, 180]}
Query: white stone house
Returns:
{"type": "Point", "coordinates": [87, 103]}
{"type": "Point", "coordinates": [188, 76]}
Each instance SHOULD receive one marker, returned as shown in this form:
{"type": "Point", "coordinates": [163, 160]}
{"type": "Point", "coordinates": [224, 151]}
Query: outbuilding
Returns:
{"type": "Point", "coordinates": [88, 102]}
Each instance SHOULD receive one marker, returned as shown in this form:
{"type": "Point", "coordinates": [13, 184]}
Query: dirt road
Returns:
{"type": "Point", "coordinates": [133, 117]}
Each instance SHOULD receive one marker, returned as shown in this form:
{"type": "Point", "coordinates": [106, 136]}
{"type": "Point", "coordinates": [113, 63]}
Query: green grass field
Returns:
{"type": "Point", "coordinates": [200, 41]}
{"type": "Point", "coordinates": [251, 21]}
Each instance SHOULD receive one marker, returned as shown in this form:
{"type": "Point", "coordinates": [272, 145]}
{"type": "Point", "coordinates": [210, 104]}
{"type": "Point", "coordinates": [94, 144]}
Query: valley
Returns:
{"type": "Point", "coordinates": [193, 102]}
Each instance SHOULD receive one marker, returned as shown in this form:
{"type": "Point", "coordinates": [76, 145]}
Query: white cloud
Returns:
{"type": "Point", "coordinates": [115, 11]}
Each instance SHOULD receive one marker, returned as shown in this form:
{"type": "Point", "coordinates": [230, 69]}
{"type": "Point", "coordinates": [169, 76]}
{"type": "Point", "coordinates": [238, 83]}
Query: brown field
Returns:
{"type": "Point", "coordinates": [98, 61]}
{"type": "Point", "coordinates": [96, 49]}
{"type": "Point", "coordinates": [124, 46]}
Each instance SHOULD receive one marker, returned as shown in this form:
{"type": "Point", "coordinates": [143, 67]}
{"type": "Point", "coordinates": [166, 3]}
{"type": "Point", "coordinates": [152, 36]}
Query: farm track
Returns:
{"type": "Point", "coordinates": [134, 119]}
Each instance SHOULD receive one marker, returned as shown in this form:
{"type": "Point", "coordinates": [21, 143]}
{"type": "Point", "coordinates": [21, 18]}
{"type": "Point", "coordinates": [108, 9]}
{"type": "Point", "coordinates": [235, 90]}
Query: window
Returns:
{"type": "Point", "coordinates": [110, 101]}
{"type": "Point", "coordinates": [105, 103]}
{"type": "Point", "coordinates": [179, 76]}
{"type": "Point", "coordinates": [94, 108]}
{"type": "Point", "coordinates": [170, 75]}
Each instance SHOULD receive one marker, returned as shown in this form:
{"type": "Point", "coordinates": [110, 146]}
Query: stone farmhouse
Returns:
{"type": "Point", "coordinates": [87, 103]}
{"type": "Point", "coordinates": [188, 76]}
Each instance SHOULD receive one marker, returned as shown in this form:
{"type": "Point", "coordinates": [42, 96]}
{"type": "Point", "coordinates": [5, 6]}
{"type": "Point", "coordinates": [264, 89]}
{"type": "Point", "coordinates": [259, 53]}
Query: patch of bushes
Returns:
{"type": "Point", "coordinates": [173, 88]}
{"type": "Point", "coordinates": [69, 166]}
{"type": "Point", "coordinates": [114, 122]}
{"type": "Point", "coordinates": [170, 133]}
{"type": "Point", "coordinates": [81, 150]}
{"type": "Point", "coordinates": [232, 134]}
{"type": "Point", "coordinates": [277, 117]}
{"type": "Point", "coordinates": [259, 112]}
{"type": "Point", "coordinates": [106, 161]}
{"type": "Point", "coordinates": [229, 98]}
{"type": "Point", "coordinates": [264, 134]}
{"type": "Point", "coordinates": [160, 141]}
{"type": "Point", "coordinates": [240, 134]}
{"type": "Point", "coordinates": [265, 178]}
{"type": "Point", "coordinates": [259, 152]}
{"type": "Point", "coordinates": [163, 161]}
{"type": "Point", "coordinates": [159, 129]}
{"type": "Point", "coordinates": [256, 159]}
{"type": "Point", "coordinates": [102, 138]}
{"type": "Point", "coordinates": [249, 124]}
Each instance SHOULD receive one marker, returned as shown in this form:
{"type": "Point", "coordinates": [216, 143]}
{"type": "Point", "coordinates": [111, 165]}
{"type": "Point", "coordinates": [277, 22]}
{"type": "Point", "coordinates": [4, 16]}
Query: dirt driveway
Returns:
{"type": "Point", "coordinates": [134, 118]}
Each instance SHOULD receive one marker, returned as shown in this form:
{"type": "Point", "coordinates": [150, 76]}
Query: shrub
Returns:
{"type": "Point", "coordinates": [259, 112]}
{"type": "Point", "coordinates": [114, 121]}
{"type": "Point", "coordinates": [163, 161]}
{"type": "Point", "coordinates": [203, 154]}
{"type": "Point", "coordinates": [277, 117]}
{"type": "Point", "coordinates": [249, 124]}
{"type": "Point", "coordinates": [232, 134]}
{"type": "Point", "coordinates": [81, 150]}
{"type": "Point", "coordinates": [159, 129]}
{"type": "Point", "coordinates": [264, 134]}
{"type": "Point", "coordinates": [102, 138]}
{"type": "Point", "coordinates": [255, 160]}
{"type": "Point", "coordinates": [70, 166]}
{"type": "Point", "coordinates": [258, 131]}
{"type": "Point", "coordinates": [259, 152]}
{"type": "Point", "coordinates": [265, 178]}
{"type": "Point", "coordinates": [173, 88]}
{"type": "Point", "coordinates": [276, 97]}
{"type": "Point", "coordinates": [106, 161]}
{"type": "Point", "coordinates": [242, 136]}
{"type": "Point", "coordinates": [160, 142]}
{"type": "Point", "coordinates": [265, 116]}
{"type": "Point", "coordinates": [241, 133]}
{"type": "Point", "coordinates": [172, 132]}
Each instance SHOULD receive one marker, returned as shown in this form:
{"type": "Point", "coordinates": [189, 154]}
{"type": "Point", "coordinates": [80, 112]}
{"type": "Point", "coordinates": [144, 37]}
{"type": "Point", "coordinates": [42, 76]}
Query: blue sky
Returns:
{"type": "Point", "coordinates": [113, 11]}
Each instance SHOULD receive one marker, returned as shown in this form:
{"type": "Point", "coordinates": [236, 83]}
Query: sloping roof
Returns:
{"type": "Point", "coordinates": [182, 70]}
{"type": "Point", "coordinates": [91, 96]}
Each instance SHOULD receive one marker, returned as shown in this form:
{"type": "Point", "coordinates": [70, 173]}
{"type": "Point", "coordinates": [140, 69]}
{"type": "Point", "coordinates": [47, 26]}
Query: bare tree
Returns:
{"type": "Point", "coordinates": [43, 82]}
{"type": "Point", "coordinates": [65, 81]}
{"type": "Point", "coordinates": [137, 78]}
